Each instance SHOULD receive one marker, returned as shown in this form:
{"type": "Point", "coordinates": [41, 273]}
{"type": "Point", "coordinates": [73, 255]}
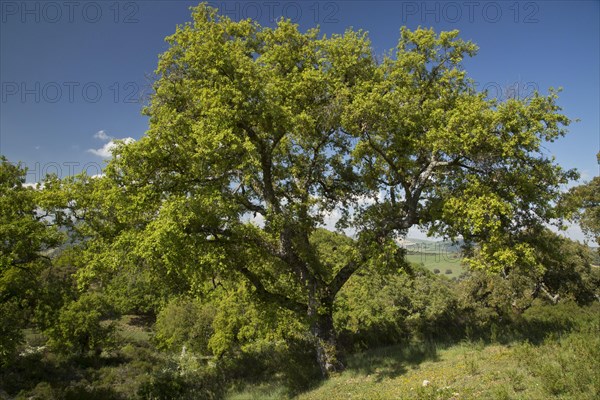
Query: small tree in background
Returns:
{"type": "Point", "coordinates": [82, 326]}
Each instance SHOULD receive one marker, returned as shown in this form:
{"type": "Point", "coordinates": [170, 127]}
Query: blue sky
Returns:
{"type": "Point", "coordinates": [72, 72]}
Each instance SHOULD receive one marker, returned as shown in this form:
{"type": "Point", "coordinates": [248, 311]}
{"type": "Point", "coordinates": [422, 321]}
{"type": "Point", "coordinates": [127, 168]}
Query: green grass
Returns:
{"type": "Point", "coordinates": [465, 371]}
{"type": "Point", "coordinates": [566, 365]}
{"type": "Point", "coordinates": [134, 328]}
{"type": "Point", "coordinates": [440, 261]}
{"type": "Point", "coordinates": [552, 352]}
{"type": "Point", "coordinates": [264, 391]}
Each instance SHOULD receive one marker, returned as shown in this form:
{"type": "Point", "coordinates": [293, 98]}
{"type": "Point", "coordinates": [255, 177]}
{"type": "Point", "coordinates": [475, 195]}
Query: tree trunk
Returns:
{"type": "Point", "coordinates": [329, 354]}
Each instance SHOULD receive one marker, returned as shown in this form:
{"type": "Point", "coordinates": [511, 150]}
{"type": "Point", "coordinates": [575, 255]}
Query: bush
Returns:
{"type": "Point", "coordinates": [82, 326]}
{"type": "Point", "coordinates": [10, 330]}
{"type": "Point", "coordinates": [185, 322]}
{"type": "Point", "coordinates": [297, 366]}
{"type": "Point", "coordinates": [376, 309]}
{"type": "Point", "coordinates": [42, 391]}
{"type": "Point", "coordinates": [436, 271]}
{"type": "Point", "coordinates": [170, 384]}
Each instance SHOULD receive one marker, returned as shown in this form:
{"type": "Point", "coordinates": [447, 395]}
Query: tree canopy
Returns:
{"type": "Point", "coordinates": [25, 239]}
{"type": "Point", "coordinates": [260, 135]}
{"type": "Point", "coordinates": [585, 199]}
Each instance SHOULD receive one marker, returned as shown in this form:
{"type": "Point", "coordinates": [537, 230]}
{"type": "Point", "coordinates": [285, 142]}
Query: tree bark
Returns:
{"type": "Point", "coordinates": [329, 355]}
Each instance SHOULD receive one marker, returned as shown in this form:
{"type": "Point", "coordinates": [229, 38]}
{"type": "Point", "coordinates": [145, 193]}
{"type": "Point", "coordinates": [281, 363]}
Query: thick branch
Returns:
{"type": "Point", "coordinates": [414, 191]}
{"type": "Point", "coordinates": [419, 182]}
{"type": "Point", "coordinates": [311, 170]}
{"type": "Point", "coordinates": [266, 166]}
{"type": "Point", "coordinates": [342, 277]}
{"type": "Point", "coordinates": [270, 297]}
{"type": "Point", "coordinates": [250, 206]}
{"type": "Point", "coordinates": [552, 297]}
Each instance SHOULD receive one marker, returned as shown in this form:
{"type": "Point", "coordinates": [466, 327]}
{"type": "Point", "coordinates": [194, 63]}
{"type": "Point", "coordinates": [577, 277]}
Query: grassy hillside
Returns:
{"type": "Point", "coordinates": [551, 352]}
{"type": "Point", "coordinates": [434, 255]}
{"type": "Point", "coordinates": [556, 364]}
{"type": "Point", "coordinates": [433, 261]}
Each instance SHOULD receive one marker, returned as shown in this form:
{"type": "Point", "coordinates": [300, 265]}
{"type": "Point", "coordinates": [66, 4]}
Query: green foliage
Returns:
{"type": "Point", "coordinates": [585, 199]}
{"type": "Point", "coordinates": [57, 287]}
{"type": "Point", "coordinates": [45, 391]}
{"type": "Point", "coordinates": [185, 322]}
{"type": "Point", "coordinates": [385, 308]}
{"type": "Point", "coordinates": [258, 134]}
{"type": "Point", "coordinates": [27, 238]}
{"type": "Point", "coordinates": [559, 270]}
{"type": "Point", "coordinates": [567, 268]}
{"type": "Point", "coordinates": [170, 384]}
{"type": "Point", "coordinates": [11, 325]}
{"type": "Point", "coordinates": [81, 326]}
{"type": "Point", "coordinates": [137, 290]}
{"type": "Point", "coordinates": [243, 325]}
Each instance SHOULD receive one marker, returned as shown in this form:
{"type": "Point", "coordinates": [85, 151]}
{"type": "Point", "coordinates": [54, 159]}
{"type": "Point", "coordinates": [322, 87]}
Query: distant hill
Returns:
{"type": "Point", "coordinates": [429, 246]}
{"type": "Point", "coordinates": [438, 256]}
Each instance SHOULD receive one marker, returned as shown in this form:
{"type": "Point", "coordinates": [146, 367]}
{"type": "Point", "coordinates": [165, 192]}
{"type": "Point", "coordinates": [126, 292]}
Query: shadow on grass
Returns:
{"type": "Point", "coordinates": [142, 321]}
{"type": "Point", "coordinates": [541, 322]}
{"type": "Point", "coordinates": [44, 376]}
{"type": "Point", "coordinates": [83, 392]}
{"type": "Point", "coordinates": [392, 361]}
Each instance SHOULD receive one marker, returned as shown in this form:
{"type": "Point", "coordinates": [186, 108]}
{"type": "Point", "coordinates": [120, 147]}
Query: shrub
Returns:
{"type": "Point", "coordinates": [42, 391]}
{"type": "Point", "coordinates": [185, 322]}
{"type": "Point", "coordinates": [10, 330]}
{"type": "Point", "coordinates": [297, 365]}
{"type": "Point", "coordinates": [386, 308]}
{"type": "Point", "coordinates": [170, 384]}
{"type": "Point", "coordinates": [82, 326]}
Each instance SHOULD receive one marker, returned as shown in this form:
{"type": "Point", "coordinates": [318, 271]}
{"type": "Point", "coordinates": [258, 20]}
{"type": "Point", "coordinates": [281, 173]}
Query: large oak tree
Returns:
{"type": "Point", "coordinates": [259, 135]}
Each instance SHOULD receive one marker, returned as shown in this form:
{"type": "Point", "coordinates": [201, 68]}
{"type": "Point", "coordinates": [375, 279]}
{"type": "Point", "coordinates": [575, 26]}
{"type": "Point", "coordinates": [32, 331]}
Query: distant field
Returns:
{"type": "Point", "coordinates": [442, 255]}
{"type": "Point", "coordinates": [440, 260]}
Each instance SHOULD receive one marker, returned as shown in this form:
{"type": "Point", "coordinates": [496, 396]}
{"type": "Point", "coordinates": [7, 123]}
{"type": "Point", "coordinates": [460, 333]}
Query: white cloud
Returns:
{"type": "Point", "coordinates": [330, 218]}
{"type": "Point", "coordinates": [102, 135]}
{"type": "Point", "coordinates": [106, 150]}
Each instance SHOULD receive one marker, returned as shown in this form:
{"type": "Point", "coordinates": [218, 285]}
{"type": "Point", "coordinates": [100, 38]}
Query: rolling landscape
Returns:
{"type": "Point", "coordinates": [218, 201]}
